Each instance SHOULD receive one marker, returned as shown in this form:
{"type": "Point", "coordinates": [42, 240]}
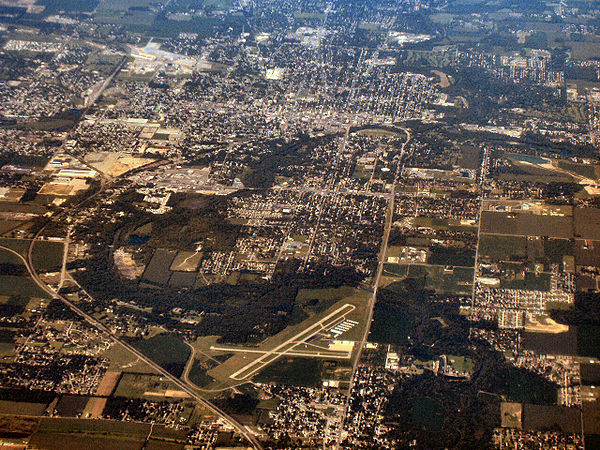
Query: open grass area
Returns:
{"type": "Point", "coordinates": [314, 301]}
{"type": "Point", "coordinates": [585, 170]}
{"type": "Point", "coordinates": [167, 350]}
{"type": "Point", "coordinates": [309, 15]}
{"type": "Point", "coordinates": [361, 172]}
{"type": "Point", "coordinates": [443, 279]}
{"type": "Point", "coordinates": [294, 371]}
{"type": "Point", "coordinates": [443, 224]}
{"type": "Point", "coordinates": [286, 338]}
{"type": "Point", "coordinates": [139, 385]}
{"type": "Point", "coordinates": [122, 359]}
{"type": "Point", "coordinates": [530, 282]}
{"type": "Point", "coordinates": [186, 261]}
{"type": "Point", "coordinates": [24, 286]}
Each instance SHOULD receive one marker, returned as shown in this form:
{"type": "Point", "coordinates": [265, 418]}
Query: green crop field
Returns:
{"type": "Point", "coordinates": [502, 248]}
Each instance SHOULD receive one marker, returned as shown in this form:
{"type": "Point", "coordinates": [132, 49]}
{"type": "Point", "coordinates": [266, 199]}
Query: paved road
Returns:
{"type": "Point", "coordinates": [63, 269]}
{"type": "Point", "coordinates": [384, 245]}
{"type": "Point", "coordinates": [186, 387]}
{"type": "Point", "coordinates": [100, 326]}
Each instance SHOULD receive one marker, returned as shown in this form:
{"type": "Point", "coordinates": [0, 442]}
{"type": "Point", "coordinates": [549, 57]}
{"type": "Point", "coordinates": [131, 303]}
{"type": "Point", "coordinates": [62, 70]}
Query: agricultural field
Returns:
{"type": "Point", "coordinates": [108, 383]}
{"type": "Point", "coordinates": [186, 262]}
{"type": "Point", "coordinates": [122, 359]}
{"type": "Point", "coordinates": [587, 223]}
{"type": "Point", "coordinates": [71, 405]}
{"type": "Point", "coordinates": [525, 224]}
{"type": "Point", "coordinates": [8, 258]}
{"type": "Point", "coordinates": [87, 434]}
{"type": "Point", "coordinates": [587, 253]}
{"type": "Point", "coordinates": [94, 407]}
{"type": "Point", "coordinates": [8, 225]}
{"type": "Point", "coordinates": [157, 270]}
{"type": "Point", "coordinates": [502, 248]}
{"type": "Point", "coordinates": [137, 385]}
{"type": "Point", "coordinates": [56, 441]}
{"type": "Point", "coordinates": [18, 245]}
{"type": "Point", "coordinates": [20, 285]}
{"type": "Point", "coordinates": [22, 408]}
{"type": "Point", "coordinates": [114, 427]}
{"type": "Point", "coordinates": [46, 254]}
{"type": "Point", "coordinates": [67, 6]}
{"type": "Point", "coordinates": [128, 12]}
{"type": "Point", "coordinates": [182, 279]}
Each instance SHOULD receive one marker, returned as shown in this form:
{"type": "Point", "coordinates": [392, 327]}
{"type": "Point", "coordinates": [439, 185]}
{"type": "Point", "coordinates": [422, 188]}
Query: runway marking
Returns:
{"type": "Point", "coordinates": [271, 355]}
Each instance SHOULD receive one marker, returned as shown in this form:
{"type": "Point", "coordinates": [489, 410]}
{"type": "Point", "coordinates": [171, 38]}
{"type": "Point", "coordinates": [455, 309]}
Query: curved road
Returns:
{"type": "Point", "coordinates": [100, 326]}
{"type": "Point", "coordinates": [186, 387]}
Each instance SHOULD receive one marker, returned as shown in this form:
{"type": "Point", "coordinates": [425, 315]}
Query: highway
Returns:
{"type": "Point", "coordinates": [98, 325]}
{"type": "Point", "coordinates": [28, 262]}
